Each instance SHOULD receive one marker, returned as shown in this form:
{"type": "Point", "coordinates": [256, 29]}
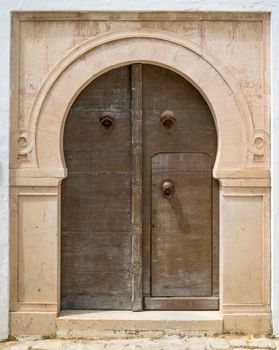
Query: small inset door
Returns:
{"type": "Point", "coordinates": [181, 232]}
{"type": "Point", "coordinates": [140, 205]}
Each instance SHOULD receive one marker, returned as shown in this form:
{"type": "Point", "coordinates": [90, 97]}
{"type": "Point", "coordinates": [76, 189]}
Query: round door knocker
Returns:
{"type": "Point", "coordinates": [168, 121]}
{"type": "Point", "coordinates": [167, 189]}
{"type": "Point", "coordinates": [107, 121]}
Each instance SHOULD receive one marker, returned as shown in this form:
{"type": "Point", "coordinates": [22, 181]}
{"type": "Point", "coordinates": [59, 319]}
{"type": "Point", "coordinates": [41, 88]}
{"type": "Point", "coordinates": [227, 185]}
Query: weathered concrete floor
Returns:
{"type": "Point", "coordinates": [227, 342]}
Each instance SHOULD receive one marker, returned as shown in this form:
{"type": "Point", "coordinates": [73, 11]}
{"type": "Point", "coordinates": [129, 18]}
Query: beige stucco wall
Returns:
{"type": "Point", "coordinates": [226, 56]}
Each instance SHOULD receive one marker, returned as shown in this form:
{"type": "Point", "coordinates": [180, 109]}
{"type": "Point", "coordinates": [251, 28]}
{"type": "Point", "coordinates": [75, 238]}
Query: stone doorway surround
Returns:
{"type": "Point", "coordinates": [226, 57]}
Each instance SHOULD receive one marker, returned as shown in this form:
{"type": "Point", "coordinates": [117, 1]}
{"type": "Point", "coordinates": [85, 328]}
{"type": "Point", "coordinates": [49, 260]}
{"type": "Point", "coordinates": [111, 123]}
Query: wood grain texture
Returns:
{"type": "Point", "coordinates": [181, 226]}
{"type": "Point", "coordinates": [195, 132]}
{"type": "Point", "coordinates": [181, 303]}
{"type": "Point", "coordinates": [120, 238]}
{"type": "Point", "coordinates": [96, 198]}
{"type": "Point", "coordinates": [137, 187]}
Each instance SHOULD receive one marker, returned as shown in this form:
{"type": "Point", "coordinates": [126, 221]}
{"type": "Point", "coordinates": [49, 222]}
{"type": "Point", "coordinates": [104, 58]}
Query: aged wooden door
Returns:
{"type": "Point", "coordinates": [140, 205]}
{"type": "Point", "coordinates": [96, 197]}
{"type": "Point", "coordinates": [180, 235]}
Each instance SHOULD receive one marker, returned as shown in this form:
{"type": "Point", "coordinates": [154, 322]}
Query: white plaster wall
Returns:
{"type": "Point", "coordinates": [6, 6]}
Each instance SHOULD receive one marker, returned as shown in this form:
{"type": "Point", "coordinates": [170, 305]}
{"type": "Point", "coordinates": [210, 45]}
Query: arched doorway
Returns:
{"type": "Point", "coordinates": [174, 139]}
{"type": "Point", "coordinates": [38, 168]}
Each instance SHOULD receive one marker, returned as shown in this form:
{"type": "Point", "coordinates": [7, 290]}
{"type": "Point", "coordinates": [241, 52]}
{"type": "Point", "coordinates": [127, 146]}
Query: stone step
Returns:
{"type": "Point", "coordinates": [101, 324]}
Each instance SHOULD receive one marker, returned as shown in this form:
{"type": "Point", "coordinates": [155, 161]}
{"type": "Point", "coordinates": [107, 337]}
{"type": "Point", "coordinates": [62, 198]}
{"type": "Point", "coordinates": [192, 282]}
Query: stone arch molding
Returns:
{"type": "Point", "coordinates": [42, 143]}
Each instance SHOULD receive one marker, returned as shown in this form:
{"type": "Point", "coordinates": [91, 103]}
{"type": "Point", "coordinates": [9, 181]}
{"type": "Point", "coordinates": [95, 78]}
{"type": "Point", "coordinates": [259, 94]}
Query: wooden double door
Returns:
{"type": "Point", "coordinates": [139, 223]}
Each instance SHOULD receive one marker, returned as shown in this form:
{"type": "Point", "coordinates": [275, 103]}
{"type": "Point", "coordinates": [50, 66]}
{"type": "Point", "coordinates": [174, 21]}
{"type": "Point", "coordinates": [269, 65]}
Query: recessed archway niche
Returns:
{"type": "Point", "coordinates": [241, 167]}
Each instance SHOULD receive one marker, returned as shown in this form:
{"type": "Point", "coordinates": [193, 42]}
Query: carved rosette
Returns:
{"type": "Point", "coordinates": [24, 146]}
{"type": "Point", "coordinates": [259, 142]}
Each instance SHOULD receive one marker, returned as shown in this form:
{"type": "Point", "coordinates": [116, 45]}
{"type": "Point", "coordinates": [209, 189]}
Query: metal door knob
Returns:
{"type": "Point", "coordinates": [167, 188]}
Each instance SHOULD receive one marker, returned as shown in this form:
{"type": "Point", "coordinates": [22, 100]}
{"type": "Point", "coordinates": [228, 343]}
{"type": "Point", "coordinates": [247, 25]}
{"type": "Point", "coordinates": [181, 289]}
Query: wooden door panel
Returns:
{"type": "Point", "coordinates": [194, 132]}
{"type": "Point", "coordinates": [96, 198]}
{"type": "Point", "coordinates": [108, 172]}
{"type": "Point", "coordinates": [181, 303]}
{"type": "Point", "coordinates": [164, 90]}
{"type": "Point", "coordinates": [181, 226]}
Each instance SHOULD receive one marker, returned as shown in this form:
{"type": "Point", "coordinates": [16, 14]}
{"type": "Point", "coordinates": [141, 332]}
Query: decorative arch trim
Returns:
{"type": "Point", "coordinates": [86, 62]}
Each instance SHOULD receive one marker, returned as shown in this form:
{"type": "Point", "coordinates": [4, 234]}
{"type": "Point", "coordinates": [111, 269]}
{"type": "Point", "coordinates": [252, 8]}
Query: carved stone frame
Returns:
{"type": "Point", "coordinates": [244, 180]}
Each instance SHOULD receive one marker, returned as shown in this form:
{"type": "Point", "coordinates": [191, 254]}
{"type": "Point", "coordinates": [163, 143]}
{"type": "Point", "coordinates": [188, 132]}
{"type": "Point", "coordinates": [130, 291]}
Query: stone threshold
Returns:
{"type": "Point", "coordinates": [226, 342]}
{"type": "Point", "coordinates": [97, 324]}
